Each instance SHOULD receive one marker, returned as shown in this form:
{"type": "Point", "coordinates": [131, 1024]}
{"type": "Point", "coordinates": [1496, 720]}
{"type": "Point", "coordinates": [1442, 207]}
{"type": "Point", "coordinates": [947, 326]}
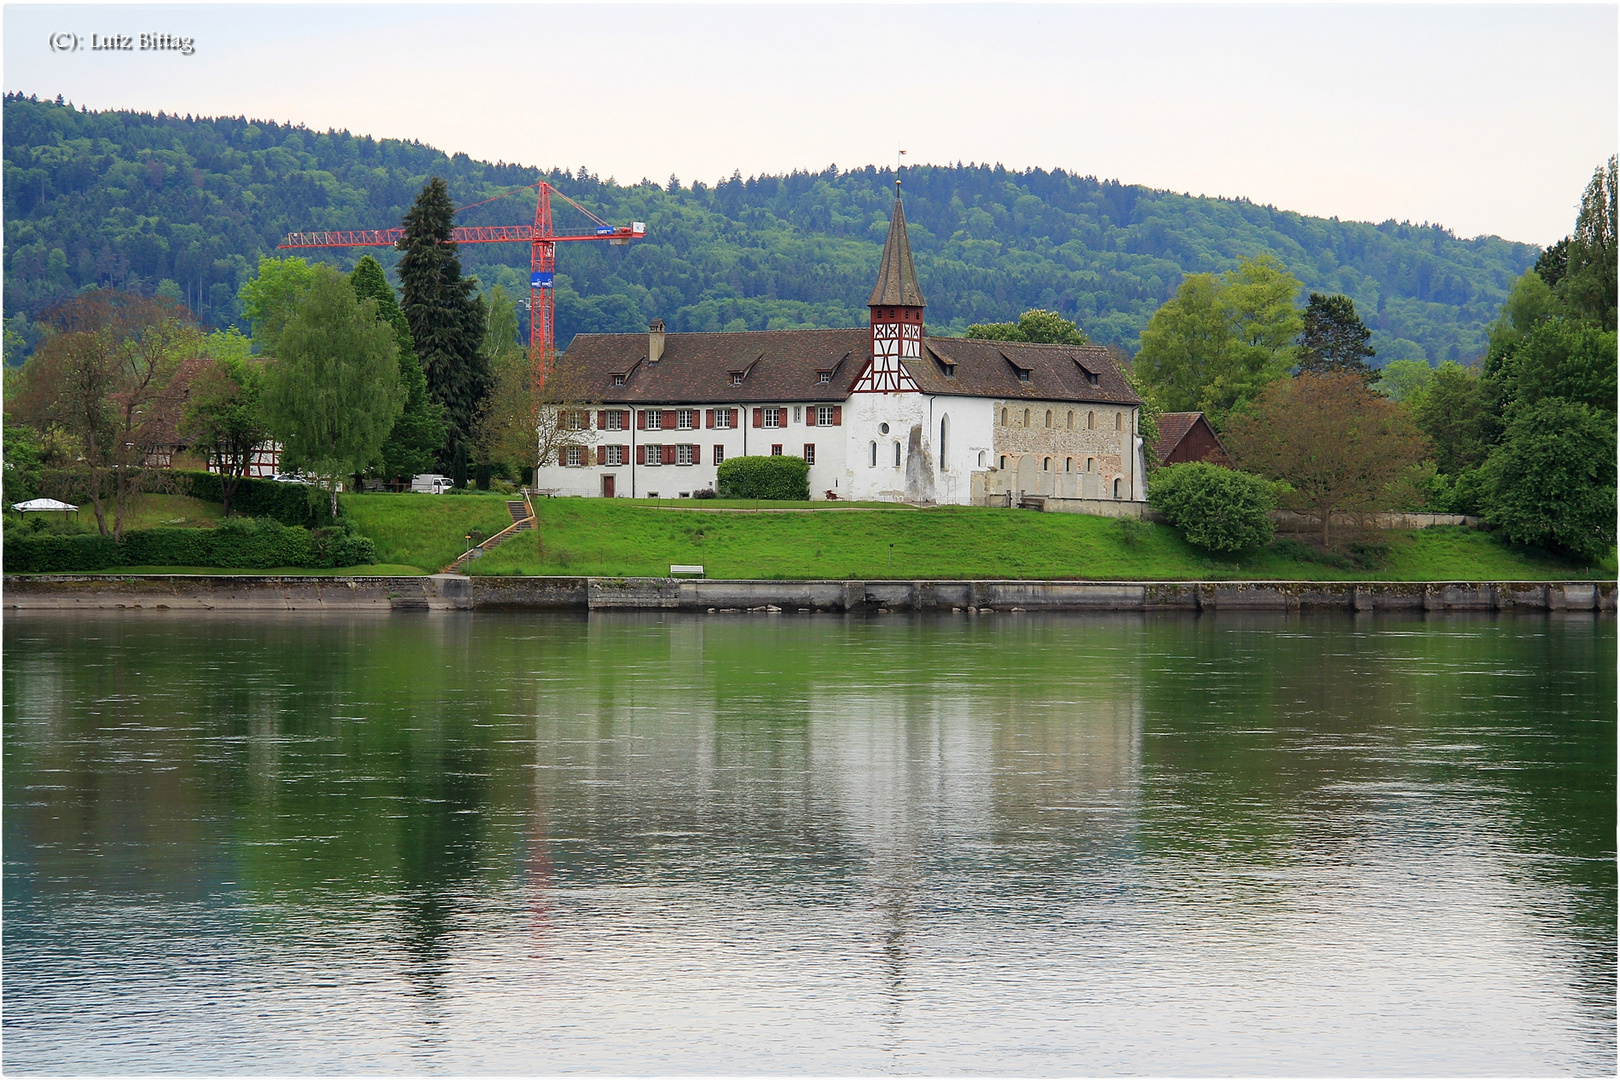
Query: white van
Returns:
{"type": "Point", "coordinates": [431, 483]}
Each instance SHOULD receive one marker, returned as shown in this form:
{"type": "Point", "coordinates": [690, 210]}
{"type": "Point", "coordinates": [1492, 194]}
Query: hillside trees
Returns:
{"type": "Point", "coordinates": [446, 317]}
{"type": "Point", "coordinates": [128, 200]}
{"type": "Point", "coordinates": [332, 394]}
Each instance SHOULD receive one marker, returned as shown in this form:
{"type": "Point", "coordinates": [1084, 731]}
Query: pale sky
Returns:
{"type": "Point", "coordinates": [1483, 118]}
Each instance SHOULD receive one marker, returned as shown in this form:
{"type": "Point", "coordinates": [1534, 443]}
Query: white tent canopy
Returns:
{"type": "Point", "coordinates": [42, 504]}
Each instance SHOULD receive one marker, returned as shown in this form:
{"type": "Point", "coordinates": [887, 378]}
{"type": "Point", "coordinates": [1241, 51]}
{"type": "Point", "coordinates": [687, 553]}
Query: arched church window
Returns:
{"type": "Point", "coordinates": [897, 453]}
{"type": "Point", "coordinates": [1048, 417]}
{"type": "Point", "coordinates": [1091, 420]}
{"type": "Point", "coordinates": [874, 454]}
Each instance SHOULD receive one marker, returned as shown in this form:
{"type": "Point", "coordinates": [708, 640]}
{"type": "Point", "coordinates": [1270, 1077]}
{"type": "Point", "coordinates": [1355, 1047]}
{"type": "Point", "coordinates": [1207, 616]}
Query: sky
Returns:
{"type": "Point", "coordinates": [1487, 119]}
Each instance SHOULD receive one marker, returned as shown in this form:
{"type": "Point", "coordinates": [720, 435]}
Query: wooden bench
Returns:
{"type": "Point", "coordinates": [683, 570]}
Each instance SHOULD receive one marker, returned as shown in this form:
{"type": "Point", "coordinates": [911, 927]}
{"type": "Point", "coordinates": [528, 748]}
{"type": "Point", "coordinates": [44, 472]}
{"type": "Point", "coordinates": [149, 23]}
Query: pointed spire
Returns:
{"type": "Point", "coordinates": [897, 278]}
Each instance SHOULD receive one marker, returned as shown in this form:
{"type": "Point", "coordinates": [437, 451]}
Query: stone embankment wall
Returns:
{"type": "Point", "coordinates": [453, 592]}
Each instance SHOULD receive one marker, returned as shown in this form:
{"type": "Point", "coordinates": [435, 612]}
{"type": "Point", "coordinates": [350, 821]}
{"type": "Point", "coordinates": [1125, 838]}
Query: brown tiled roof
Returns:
{"type": "Point", "coordinates": [897, 277]}
{"type": "Point", "coordinates": [784, 365]}
{"type": "Point", "coordinates": [1173, 427]}
{"type": "Point", "coordinates": [779, 365]}
{"type": "Point", "coordinates": [991, 368]}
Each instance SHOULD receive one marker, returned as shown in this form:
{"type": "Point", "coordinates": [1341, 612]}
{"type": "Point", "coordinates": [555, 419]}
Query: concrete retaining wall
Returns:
{"type": "Point", "coordinates": [453, 592]}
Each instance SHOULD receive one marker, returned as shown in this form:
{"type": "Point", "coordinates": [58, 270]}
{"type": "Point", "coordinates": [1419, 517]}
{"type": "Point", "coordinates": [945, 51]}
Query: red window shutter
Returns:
{"type": "Point", "coordinates": [733, 417]}
{"type": "Point", "coordinates": [708, 418]}
{"type": "Point", "coordinates": [759, 417]}
{"type": "Point", "coordinates": [838, 414]}
{"type": "Point", "coordinates": [809, 416]}
{"type": "Point", "coordinates": [641, 455]}
{"type": "Point", "coordinates": [601, 455]}
{"type": "Point", "coordinates": [669, 453]}
{"type": "Point", "coordinates": [601, 420]}
{"type": "Point", "coordinates": [697, 454]}
{"type": "Point", "coordinates": [641, 419]}
{"type": "Point", "coordinates": [562, 456]}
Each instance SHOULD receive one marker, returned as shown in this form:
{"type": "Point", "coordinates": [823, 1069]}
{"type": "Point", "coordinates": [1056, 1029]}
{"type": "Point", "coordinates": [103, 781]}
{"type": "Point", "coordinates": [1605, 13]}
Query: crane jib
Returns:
{"type": "Point", "coordinates": [463, 234]}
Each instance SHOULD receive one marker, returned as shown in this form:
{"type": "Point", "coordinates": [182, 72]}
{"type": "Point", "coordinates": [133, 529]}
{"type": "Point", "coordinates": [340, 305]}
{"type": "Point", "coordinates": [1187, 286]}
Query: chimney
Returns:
{"type": "Point", "coordinates": [655, 341]}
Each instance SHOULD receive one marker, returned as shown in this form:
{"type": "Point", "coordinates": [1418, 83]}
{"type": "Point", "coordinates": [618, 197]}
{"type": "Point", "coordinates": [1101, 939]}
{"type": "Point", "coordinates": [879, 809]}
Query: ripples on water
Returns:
{"type": "Point", "coordinates": [663, 844]}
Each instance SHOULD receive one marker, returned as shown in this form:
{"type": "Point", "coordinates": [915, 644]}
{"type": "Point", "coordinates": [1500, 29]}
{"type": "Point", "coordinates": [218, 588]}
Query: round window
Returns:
{"type": "Point", "coordinates": [884, 428]}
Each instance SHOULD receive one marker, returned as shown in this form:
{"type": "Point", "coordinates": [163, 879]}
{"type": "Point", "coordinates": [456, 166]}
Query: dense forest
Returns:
{"type": "Point", "coordinates": [185, 207]}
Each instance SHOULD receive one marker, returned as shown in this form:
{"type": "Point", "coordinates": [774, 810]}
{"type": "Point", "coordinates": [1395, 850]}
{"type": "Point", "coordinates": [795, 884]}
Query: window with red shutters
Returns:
{"type": "Point", "coordinates": [759, 417]}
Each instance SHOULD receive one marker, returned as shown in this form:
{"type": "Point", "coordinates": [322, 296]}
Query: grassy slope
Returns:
{"type": "Point", "coordinates": [633, 538]}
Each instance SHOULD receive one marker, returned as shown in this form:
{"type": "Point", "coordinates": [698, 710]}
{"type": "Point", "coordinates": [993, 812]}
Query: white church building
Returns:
{"type": "Point", "coordinates": [883, 412]}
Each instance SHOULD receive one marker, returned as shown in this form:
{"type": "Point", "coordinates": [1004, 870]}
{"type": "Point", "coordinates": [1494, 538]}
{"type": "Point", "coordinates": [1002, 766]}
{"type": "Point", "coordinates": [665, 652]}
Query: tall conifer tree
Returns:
{"type": "Point", "coordinates": [1334, 338]}
{"type": "Point", "coordinates": [420, 431]}
{"type": "Point", "coordinates": [446, 317]}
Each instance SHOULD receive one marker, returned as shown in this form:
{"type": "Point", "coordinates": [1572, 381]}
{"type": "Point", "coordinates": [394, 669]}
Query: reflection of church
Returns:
{"type": "Point", "coordinates": [883, 412]}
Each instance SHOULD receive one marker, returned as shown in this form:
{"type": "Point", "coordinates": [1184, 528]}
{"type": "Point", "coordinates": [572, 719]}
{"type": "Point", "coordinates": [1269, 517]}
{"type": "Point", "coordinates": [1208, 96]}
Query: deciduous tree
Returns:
{"type": "Point", "coordinates": [1337, 444]}
{"type": "Point", "coordinates": [1036, 326]}
{"type": "Point", "coordinates": [332, 393]}
{"type": "Point", "coordinates": [1551, 481]}
{"type": "Point", "coordinates": [271, 297]}
{"type": "Point", "coordinates": [224, 410]}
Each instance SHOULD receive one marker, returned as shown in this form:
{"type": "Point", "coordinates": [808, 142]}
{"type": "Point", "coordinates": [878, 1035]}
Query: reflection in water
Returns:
{"type": "Point", "coordinates": [651, 843]}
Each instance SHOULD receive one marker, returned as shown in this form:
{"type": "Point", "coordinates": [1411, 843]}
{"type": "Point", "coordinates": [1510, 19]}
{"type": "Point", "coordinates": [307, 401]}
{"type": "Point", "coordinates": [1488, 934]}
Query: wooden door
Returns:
{"type": "Point", "coordinates": [607, 487]}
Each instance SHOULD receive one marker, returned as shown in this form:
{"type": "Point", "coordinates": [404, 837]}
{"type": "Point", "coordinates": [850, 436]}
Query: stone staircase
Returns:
{"type": "Point", "coordinates": [522, 512]}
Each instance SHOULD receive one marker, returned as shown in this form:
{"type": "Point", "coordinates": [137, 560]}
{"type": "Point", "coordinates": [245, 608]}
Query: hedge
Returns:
{"type": "Point", "coordinates": [290, 504]}
{"type": "Point", "coordinates": [242, 543]}
{"type": "Point", "coordinates": [756, 477]}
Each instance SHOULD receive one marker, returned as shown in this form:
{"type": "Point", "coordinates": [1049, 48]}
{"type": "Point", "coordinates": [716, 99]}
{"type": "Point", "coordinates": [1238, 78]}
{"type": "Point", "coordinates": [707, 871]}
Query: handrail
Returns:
{"type": "Point", "coordinates": [486, 544]}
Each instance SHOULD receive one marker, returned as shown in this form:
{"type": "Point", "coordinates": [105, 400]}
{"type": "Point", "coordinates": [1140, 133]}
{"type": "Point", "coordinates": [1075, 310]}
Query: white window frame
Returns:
{"type": "Point", "coordinates": [683, 419]}
{"type": "Point", "coordinates": [574, 456]}
{"type": "Point", "coordinates": [771, 417]}
{"type": "Point", "coordinates": [615, 454]}
{"type": "Point", "coordinates": [683, 453]}
{"type": "Point", "coordinates": [722, 419]}
{"type": "Point", "coordinates": [613, 421]}
{"type": "Point", "coordinates": [655, 419]}
{"type": "Point", "coordinates": [824, 416]}
{"type": "Point", "coordinates": [654, 455]}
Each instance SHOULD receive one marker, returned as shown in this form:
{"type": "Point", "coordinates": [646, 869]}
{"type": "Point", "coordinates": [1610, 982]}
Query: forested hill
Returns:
{"type": "Point", "coordinates": [187, 206]}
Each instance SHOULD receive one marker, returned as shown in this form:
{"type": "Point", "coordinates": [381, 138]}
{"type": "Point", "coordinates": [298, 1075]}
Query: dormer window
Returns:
{"type": "Point", "coordinates": [1023, 373]}
{"type": "Point", "coordinates": [823, 376]}
{"type": "Point", "coordinates": [1091, 376]}
{"type": "Point", "coordinates": [618, 378]}
{"type": "Point", "coordinates": [736, 378]}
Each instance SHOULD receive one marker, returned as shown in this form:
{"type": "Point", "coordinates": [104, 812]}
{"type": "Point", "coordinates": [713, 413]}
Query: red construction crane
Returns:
{"type": "Point", "coordinates": [542, 240]}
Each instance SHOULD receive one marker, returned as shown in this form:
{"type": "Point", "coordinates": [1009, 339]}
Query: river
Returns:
{"type": "Point", "coordinates": [649, 843]}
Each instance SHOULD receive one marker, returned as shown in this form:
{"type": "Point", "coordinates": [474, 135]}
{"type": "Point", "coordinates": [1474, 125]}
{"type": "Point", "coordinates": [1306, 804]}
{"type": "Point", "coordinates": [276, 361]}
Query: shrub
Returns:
{"type": "Point", "coordinates": [290, 504]}
{"type": "Point", "coordinates": [756, 477]}
{"type": "Point", "coordinates": [240, 543]}
{"type": "Point", "coordinates": [1215, 508]}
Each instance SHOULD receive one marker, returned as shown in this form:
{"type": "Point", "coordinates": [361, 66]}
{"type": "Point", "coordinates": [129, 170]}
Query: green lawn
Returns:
{"type": "Point", "coordinates": [635, 538]}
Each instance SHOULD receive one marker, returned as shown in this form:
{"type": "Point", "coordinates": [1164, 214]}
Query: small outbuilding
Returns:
{"type": "Point", "coordinates": [35, 506]}
{"type": "Point", "coordinates": [1188, 436]}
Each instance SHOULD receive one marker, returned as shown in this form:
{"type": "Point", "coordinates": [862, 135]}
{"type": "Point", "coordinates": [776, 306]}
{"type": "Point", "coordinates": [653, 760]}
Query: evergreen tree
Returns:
{"type": "Point", "coordinates": [1334, 338]}
{"type": "Point", "coordinates": [420, 431]}
{"type": "Point", "coordinates": [446, 316]}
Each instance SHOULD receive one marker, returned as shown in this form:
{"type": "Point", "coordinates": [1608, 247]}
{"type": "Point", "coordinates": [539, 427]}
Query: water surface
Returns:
{"type": "Point", "coordinates": [667, 843]}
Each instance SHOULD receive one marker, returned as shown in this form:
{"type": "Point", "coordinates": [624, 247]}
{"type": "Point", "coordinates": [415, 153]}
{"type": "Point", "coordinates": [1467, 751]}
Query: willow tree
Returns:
{"type": "Point", "coordinates": [332, 394]}
{"type": "Point", "coordinates": [446, 316]}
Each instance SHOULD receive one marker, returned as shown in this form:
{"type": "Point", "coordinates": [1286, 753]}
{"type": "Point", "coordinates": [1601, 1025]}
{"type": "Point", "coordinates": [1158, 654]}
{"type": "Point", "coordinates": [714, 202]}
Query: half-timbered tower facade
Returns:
{"type": "Point", "coordinates": [879, 413]}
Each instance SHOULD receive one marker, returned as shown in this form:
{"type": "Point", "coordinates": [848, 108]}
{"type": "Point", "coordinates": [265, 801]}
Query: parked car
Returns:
{"type": "Point", "coordinates": [290, 478]}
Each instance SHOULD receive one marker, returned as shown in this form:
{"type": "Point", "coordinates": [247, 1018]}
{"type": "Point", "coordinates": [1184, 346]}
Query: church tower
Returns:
{"type": "Point", "coordinates": [897, 313]}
